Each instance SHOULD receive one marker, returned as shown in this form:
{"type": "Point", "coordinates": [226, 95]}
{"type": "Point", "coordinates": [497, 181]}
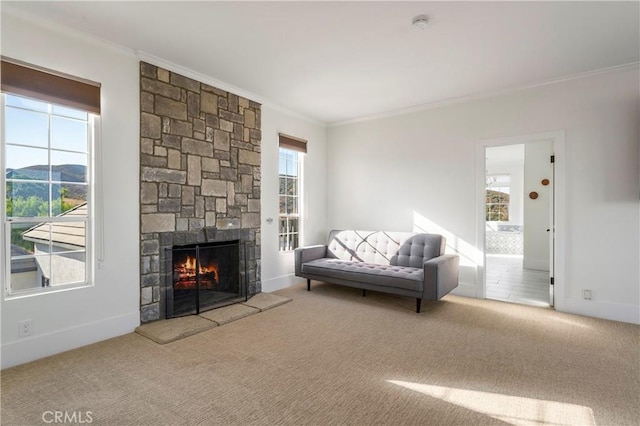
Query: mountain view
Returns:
{"type": "Point", "coordinates": [66, 173]}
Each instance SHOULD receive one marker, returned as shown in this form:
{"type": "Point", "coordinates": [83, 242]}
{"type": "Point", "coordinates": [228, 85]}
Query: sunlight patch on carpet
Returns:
{"type": "Point", "coordinates": [514, 410]}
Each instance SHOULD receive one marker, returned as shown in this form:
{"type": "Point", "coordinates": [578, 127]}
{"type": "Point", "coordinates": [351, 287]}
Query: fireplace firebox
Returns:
{"type": "Point", "coordinates": [205, 276]}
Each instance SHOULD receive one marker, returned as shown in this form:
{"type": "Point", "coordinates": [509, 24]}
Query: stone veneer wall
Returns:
{"type": "Point", "coordinates": [199, 174]}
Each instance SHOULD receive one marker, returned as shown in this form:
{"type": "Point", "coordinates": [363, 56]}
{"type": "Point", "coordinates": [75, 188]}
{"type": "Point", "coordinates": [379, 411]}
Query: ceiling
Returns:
{"type": "Point", "coordinates": [337, 61]}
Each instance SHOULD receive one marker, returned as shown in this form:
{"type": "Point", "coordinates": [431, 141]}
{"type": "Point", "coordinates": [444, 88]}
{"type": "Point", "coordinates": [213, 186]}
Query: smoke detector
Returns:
{"type": "Point", "coordinates": [420, 22]}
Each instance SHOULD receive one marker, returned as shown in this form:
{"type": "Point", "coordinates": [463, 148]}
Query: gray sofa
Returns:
{"type": "Point", "coordinates": [402, 263]}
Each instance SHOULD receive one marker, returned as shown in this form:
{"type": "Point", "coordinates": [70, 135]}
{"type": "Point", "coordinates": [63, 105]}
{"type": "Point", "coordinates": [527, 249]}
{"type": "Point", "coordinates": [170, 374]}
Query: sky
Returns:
{"type": "Point", "coordinates": [27, 130]}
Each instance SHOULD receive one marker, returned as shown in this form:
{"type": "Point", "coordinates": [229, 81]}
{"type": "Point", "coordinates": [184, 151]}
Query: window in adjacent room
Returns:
{"type": "Point", "coordinates": [290, 174]}
{"type": "Point", "coordinates": [48, 126]}
{"type": "Point", "coordinates": [497, 198]}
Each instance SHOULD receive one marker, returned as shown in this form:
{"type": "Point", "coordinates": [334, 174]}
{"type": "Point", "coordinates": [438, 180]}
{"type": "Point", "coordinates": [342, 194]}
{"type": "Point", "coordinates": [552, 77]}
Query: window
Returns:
{"type": "Point", "coordinates": [290, 160]}
{"type": "Point", "coordinates": [289, 200]}
{"type": "Point", "coordinates": [46, 162]}
{"type": "Point", "coordinates": [497, 198]}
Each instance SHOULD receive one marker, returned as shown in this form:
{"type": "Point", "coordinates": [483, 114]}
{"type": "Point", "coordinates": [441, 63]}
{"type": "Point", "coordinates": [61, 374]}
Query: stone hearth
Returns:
{"type": "Point", "coordinates": [199, 175]}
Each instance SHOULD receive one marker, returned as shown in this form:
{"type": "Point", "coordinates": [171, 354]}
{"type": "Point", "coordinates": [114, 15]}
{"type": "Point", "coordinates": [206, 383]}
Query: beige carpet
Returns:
{"type": "Point", "coordinates": [334, 357]}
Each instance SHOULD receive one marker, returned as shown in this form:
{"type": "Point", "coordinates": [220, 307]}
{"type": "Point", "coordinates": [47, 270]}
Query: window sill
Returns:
{"type": "Point", "coordinates": [49, 290]}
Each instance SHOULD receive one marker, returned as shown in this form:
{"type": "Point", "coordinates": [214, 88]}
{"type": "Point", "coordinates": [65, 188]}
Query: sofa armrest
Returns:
{"type": "Point", "coordinates": [307, 254]}
{"type": "Point", "coordinates": [440, 276]}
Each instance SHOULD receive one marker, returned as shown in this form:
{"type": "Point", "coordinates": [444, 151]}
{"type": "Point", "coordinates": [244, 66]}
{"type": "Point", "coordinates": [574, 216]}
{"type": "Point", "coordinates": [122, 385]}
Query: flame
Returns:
{"type": "Point", "coordinates": [189, 266]}
{"type": "Point", "coordinates": [185, 274]}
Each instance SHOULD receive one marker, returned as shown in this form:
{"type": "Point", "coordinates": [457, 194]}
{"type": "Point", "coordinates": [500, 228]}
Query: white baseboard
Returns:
{"type": "Point", "coordinates": [32, 348]}
{"type": "Point", "coordinates": [606, 310]}
{"type": "Point", "coordinates": [590, 308]}
{"type": "Point", "coordinates": [281, 282]}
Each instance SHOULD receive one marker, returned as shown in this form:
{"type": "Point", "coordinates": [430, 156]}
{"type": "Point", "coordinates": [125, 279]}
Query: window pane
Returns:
{"type": "Point", "coordinates": [24, 273]}
{"type": "Point", "coordinates": [293, 224]}
{"type": "Point", "coordinates": [283, 204]}
{"type": "Point", "coordinates": [26, 199]}
{"type": "Point", "coordinates": [283, 185]}
{"type": "Point", "coordinates": [19, 245]}
{"type": "Point", "coordinates": [38, 235]}
{"type": "Point", "coordinates": [69, 112]}
{"type": "Point", "coordinates": [292, 186]}
{"type": "Point", "coordinates": [26, 127]}
{"type": "Point", "coordinates": [283, 165]}
{"type": "Point", "coordinates": [68, 166]}
{"type": "Point", "coordinates": [292, 205]}
{"type": "Point", "coordinates": [497, 212]}
{"type": "Point", "coordinates": [282, 243]}
{"type": "Point", "coordinates": [21, 102]}
{"type": "Point", "coordinates": [28, 272]}
{"type": "Point", "coordinates": [283, 225]}
{"type": "Point", "coordinates": [27, 163]}
{"type": "Point", "coordinates": [67, 196]}
{"type": "Point", "coordinates": [68, 267]}
{"type": "Point", "coordinates": [294, 242]}
{"type": "Point", "coordinates": [68, 134]}
{"type": "Point", "coordinates": [292, 167]}
{"type": "Point", "coordinates": [44, 271]}
{"type": "Point", "coordinates": [67, 236]}
{"type": "Point", "coordinates": [30, 262]}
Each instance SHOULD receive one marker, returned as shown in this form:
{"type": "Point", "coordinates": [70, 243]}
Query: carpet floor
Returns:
{"type": "Point", "coordinates": [333, 357]}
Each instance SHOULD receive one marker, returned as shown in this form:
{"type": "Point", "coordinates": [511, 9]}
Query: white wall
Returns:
{"type": "Point", "coordinates": [68, 319]}
{"type": "Point", "coordinates": [397, 172]}
{"type": "Point", "coordinates": [537, 218]}
{"type": "Point", "coordinates": [278, 268]}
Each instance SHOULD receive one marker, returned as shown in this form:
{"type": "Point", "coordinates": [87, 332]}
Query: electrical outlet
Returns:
{"type": "Point", "coordinates": [25, 328]}
{"type": "Point", "coordinates": [586, 294]}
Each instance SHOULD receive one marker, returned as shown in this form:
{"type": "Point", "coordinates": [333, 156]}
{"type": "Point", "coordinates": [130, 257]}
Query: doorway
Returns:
{"type": "Point", "coordinates": [518, 222]}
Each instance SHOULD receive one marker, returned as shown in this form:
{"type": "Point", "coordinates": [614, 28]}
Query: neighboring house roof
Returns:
{"type": "Point", "coordinates": [70, 234]}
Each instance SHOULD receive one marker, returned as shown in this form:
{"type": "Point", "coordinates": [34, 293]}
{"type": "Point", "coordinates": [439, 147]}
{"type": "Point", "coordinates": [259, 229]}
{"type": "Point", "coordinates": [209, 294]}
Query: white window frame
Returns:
{"type": "Point", "coordinates": [93, 124]}
{"type": "Point", "coordinates": [298, 216]}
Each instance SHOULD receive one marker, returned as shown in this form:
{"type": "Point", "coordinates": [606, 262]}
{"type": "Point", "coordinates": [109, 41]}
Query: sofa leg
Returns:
{"type": "Point", "coordinates": [308, 284]}
{"type": "Point", "coordinates": [418, 302]}
{"type": "Point", "coordinates": [364, 292]}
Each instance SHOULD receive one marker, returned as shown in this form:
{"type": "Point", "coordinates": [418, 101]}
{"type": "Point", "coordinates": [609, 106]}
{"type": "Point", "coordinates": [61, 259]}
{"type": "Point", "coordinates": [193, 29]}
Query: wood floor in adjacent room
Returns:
{"type": "Point", "coordinates": [333, 357]}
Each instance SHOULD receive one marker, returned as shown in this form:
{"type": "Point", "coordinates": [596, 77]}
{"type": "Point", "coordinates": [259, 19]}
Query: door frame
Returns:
{"type": "Point", "coordinates": [557, 139]}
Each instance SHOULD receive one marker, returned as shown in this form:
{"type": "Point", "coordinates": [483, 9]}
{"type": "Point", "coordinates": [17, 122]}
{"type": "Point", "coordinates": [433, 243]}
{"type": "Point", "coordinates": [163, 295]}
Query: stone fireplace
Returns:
{"type": "Point", "coordinates": [199, 180]}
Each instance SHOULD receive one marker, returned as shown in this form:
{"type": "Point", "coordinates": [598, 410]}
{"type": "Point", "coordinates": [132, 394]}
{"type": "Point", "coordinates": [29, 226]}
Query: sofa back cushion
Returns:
{"type": "Point", "coordinates": [418, 248]}
{"type": "Point", "coordinates": [385, 248]}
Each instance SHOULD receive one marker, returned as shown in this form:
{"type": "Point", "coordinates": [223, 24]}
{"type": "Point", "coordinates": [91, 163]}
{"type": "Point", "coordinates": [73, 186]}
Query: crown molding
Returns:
{"type": "Point", "coordinates": [484, 95]}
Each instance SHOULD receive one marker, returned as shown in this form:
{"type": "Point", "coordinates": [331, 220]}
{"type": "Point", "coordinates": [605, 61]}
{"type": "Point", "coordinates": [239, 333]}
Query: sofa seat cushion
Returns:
{"type": "Point", "coordinates": [384, 275]}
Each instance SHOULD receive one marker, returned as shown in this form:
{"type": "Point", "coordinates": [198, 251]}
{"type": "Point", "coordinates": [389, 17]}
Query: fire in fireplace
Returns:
{"type": "Point", "coordinates": [204, 276]}
{"type": "Point", "coordinates": [191, 274]}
